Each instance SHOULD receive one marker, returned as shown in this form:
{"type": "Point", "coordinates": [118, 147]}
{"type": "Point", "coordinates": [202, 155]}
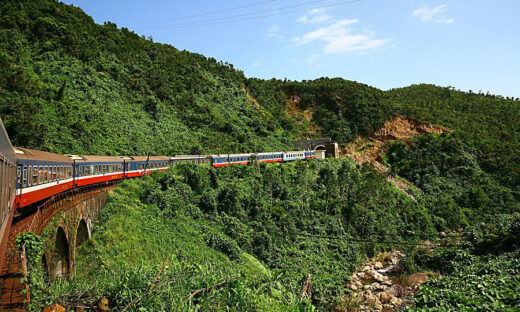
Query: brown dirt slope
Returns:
{"type": "Point", "coordinates": [303, 117]}
{"type": "Point", "coordinates": [370, 148]}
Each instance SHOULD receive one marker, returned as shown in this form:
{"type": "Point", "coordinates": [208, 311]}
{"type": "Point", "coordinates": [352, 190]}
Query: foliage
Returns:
{"type": "Point", "coordinates": [258, 222]}
{"type": "Point", "coordinates": [33, 246]}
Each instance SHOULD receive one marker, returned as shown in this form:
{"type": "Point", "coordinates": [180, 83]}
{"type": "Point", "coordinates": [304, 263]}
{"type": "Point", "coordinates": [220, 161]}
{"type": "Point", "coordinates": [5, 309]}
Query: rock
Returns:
{"type": "Point", "coordinates": [378, 307]}
{"type": "Point", "coordinates": [353, 287]}
{"type": "Point", "coordinates": [378, 265]}
{"type": "Point", "coordinates": [361, 275]}
{"type": "Point", "coordinates": [384, 297]}
{"type": "Point", "coordinates": [372, 300]}
{"type": "Point", "coordinates": [54, 308]}
{"type": "Point", "coordinates": [395, 301]}
{"type": "Point", "coordinates": [387, 283]}
{"type": "Point", "coordinates": [366, 268]}
{"type": "Point", "coordinates": [379, 277]}
{"type": "Point", "coordinates": [103, 305]}
{"type": "Point", "coordinates": [377, 286]}
{"type": "Point", "coordinates": [417, 278]}
{"type": "Point", "coordinates": [442, 234]}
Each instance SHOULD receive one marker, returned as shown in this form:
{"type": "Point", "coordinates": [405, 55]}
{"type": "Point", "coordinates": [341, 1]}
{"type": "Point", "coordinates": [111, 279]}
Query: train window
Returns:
{"type": "Point", "coordinates": [18, 174]}
{"type": "Point", "coordinates": [35, 175]}
{"type": "Point", "coordinates": [24, 182]}
{"type": "Point", "coordinates": [87, 170]}
{"type": "Point", "coordinates": [29, 175]}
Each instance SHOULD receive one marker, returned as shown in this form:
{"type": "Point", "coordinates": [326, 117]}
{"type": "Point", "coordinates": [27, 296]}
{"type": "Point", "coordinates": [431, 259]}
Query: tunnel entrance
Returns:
{"type": "Point", "coordinates": [320, 148]}
{"type": "Point", "coordinates": [61, 252]}
{"type": "Point", "coordinates": [81, 233]}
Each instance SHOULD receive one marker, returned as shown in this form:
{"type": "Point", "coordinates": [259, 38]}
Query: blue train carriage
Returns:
{"type": "Point", "coordinates": [269, 157]}
{"type": "Point", "coordinates": [143, 165]}
{"type": "Point", "coordinates": [294, 155]}
{"type": "Point", "coordinates": [310, 154]}
{"type": "Point", "coordinates": [41, 175]}
{"type": "Point", "coordinates": [92, 169]}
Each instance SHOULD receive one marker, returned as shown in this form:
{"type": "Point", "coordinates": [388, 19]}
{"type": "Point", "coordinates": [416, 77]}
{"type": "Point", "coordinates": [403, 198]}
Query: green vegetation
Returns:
{"type": "Point", "coordinates": [68, 85]}
{"type": "Point", "coordinates": [482, 273]}
{"type": "Point", "coordinates": [253, 221]}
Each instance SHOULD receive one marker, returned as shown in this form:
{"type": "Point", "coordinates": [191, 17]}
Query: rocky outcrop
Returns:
{"type": "Point", "coordinates": [378, 285]}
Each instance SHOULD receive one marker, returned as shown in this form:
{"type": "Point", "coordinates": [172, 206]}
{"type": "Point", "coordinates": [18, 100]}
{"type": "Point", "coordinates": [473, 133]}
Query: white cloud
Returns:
{"type": "Point", "coordinates": [437, 14]}
{"type": "Point", "coordinates": [318, 16]}
{"type": "Point", "coordinates": [274, 32]}
{"type": "Point", "coordinates": [339, 37]}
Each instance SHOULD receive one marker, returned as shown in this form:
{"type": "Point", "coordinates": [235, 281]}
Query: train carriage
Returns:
{"type": "Point", "coordinates": [243, 159]}
{"type": "Point", "coordinates": [310, 154]}
{"type": "Point", "coordinates": [89, 169]}
{"type": "Point", "coordinates": [196, 159]}
{"type": "Point", "coordinates": [143, 165]}
{"type": "Point", "coordinates": [294, 155]}
{"type": "Point", "coordinates": [41, 175]}
{"type": "Point", "coordinates": [7, 187]}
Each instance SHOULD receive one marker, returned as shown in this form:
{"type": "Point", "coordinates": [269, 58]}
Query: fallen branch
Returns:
{"type": "Point", "coordinates": [306, 292]}
{"type": "Point", "coordinates": [212, 286]}
{"type": "Point", "coordinates": [149, 288]}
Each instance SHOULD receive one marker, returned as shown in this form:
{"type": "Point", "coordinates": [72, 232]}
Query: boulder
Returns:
{"type": "Point", "coordinates": [384, 297]}
{"type": "Point", "coordinates": [396, 301]}
{"type": "Point", "coordinates": [372, 300]}
{"type": "Point", "coordinates": [103, 305]}
{"type": "Point", "coordinates": [378, 307]}
{"type": "Point", "coordinates": [378, 265]}
{"type": "Point", "coordinates": [417, 278]}
{"type": "Point", "coordinates": [353, 287]}
{"type": "Point", "coordinates": [54, 308]}
{"type": "Point", "coordinates": [379, 277]}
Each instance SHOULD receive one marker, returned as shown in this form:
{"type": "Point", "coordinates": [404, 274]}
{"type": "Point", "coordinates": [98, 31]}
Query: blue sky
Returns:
{"type": "Point", "coordinates": [467, 44]}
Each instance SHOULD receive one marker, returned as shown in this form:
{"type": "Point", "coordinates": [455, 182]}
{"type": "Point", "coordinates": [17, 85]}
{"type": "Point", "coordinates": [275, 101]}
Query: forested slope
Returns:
{"type": "Point", "coordinates": [68, 85]}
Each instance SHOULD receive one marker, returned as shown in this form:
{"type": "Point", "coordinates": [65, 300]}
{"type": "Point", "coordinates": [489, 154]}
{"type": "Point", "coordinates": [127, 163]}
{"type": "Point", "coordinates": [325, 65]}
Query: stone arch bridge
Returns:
{"type": "Point", "coordinates": [64, 222]}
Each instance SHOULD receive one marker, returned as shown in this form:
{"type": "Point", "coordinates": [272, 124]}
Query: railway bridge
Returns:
{"type": "Point", "coordinates": [64, 222]}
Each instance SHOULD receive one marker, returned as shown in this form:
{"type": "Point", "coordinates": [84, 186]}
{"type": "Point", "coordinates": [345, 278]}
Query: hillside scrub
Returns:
{"type": "Point", "coordinates": [257, 221]}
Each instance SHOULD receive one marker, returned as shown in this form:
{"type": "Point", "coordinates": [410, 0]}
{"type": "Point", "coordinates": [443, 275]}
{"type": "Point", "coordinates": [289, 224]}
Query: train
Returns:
{"type": "Point", "coordinates": [28, 177]}
{"type": "Point", "coordinates": [40, 175]}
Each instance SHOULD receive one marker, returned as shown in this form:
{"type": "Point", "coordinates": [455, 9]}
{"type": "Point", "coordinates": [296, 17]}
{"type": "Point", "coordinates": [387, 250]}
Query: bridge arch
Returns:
{"type": "Point", "coordinates": [62, 253]}
{"type": "Point", "coordinates": [82, 233]}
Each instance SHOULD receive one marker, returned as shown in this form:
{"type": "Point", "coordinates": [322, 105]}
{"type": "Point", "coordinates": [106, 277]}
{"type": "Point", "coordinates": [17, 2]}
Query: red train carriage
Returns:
{"type": "Point", "coordinates": [41, 175]}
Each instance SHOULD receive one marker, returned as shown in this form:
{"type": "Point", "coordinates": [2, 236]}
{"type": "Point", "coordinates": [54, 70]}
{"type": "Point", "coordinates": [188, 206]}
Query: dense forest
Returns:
{"type": "Point", "coordinates": [69, 85]}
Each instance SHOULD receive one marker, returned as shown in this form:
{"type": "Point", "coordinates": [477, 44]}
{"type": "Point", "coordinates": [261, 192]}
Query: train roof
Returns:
{"type": "Point", "coordinates": [30, 154]}
{"type": "Point", "coordinates": [189, 156]}
{"type": "Point", "coordinates": [145, 158]}
{"type": "Point", "coordinates": [95, 158]}
{"type": "Point", "coordinates": [6, 149]}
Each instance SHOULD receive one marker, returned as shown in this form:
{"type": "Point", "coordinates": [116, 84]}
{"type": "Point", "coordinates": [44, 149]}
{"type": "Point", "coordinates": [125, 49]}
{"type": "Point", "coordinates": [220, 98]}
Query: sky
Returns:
{"type": "Point", "coordinates": [466, 44]}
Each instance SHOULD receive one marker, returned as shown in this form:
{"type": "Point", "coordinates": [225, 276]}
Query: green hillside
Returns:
{"type": "Point", "coordinates": [69, 85]}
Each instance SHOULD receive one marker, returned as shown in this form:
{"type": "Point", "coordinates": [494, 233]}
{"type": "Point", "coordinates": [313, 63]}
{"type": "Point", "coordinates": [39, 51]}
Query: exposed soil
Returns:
{"type": "Point", "coordinates": [302, 115]}
{"type": "Point", "coordinates": [370, 149]}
